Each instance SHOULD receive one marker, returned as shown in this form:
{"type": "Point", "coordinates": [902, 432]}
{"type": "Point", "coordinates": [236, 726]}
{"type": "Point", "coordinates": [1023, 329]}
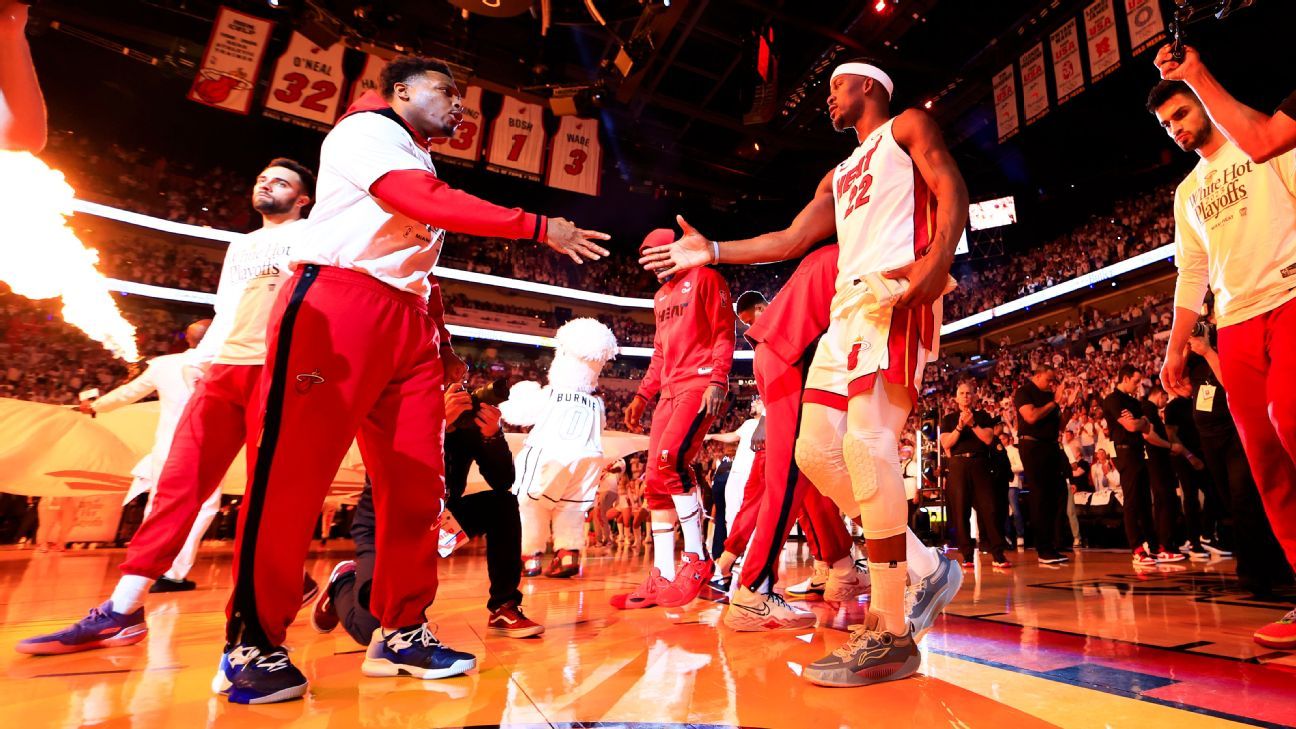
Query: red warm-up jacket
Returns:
{"type": "Point", "coordinates": [694, 342]}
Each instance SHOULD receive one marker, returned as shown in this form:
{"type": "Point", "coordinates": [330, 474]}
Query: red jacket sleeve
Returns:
{"type": "Point", "coordinates": [423, 196]}
{"type": "Point", "coordinates": [720, 305]}
{"type": "Point", "coordinates": [436, 310]}
{"type": "Point", "coordinates": [651, 384]}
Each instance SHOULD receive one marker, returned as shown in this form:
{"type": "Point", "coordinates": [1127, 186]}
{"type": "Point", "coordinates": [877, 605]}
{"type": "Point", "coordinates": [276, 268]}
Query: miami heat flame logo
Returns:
{"type": "Point", "coordinates": [214, 87]}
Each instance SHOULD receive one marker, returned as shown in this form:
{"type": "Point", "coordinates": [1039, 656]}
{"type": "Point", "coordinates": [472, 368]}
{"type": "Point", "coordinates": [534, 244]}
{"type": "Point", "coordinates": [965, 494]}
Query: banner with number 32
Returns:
{"type": "Point", "coordinates": [307, 84]}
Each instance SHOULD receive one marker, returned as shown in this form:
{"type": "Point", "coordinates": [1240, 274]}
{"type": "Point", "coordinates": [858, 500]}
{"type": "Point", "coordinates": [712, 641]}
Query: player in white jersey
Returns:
{"type": "Point", "coordinates": [558, 468]}
{"type": "Point", "coordinates": [898, 205]}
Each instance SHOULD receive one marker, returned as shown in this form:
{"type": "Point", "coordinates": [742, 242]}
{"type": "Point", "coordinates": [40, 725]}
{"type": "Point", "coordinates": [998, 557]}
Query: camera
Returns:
{"type": "Point", "coordinates": [1201, 329]}
{"type": "Point", "coordinates": [492, 393]}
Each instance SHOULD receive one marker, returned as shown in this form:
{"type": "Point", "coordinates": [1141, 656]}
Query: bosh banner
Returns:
{"type": "Point", "coordinates": [517, 141]}
{"type": "Point", "coordinates": [307, 84]}
{"type": "Point", "coordinates": [228, 73]}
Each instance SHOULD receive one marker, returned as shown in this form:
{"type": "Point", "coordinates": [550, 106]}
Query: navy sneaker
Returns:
{"type": "Point", "coordinates": [230, 664]}
{"type": "Point", "coordinates": [101, 628]}
{"type": "Point", "coordinates": [932, 593]}
{"type": "Point", "coordinates": [413, 651]}
{"type": "Point", "coordinates": [266, 679]}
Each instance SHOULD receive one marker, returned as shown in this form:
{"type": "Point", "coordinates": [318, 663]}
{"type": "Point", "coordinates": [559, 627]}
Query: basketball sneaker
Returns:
{"type": "Point", "coordinates": [166, 584]}
{"type": "Point", "coordinates": [324, 617]}
{"type": "Point", "coordinates": [310, 589]}
{"type": "Point", "coordinates": [448, 540]}
{"type": "Point", "coordinates": [1166, 555]}
{"type": "Point", "coordinates": [643, 596]}
{"type": "Point", "coordinates": [753, 611]}
{"type": "Point", "coordinates": [1143, 559]}
{"type": "Point", "coordinates": [1198, 552]}
{"type": "Point", "coordinates": [870, 656]}
{"type": "Point", "coordinates": [566, 563]}
{"type": "Point", "coordinates": [932, 593]}
{"type": "Point", "coordinates": [812, 588]}
{"type": "Point", "coordinates": [531, 564]}
{"type": "Point", "coordinates": [413, 651]}
{"type": "Point", "coordinates": [1280, 634]}
{"type": "Point", "coordinates": [266, 679]}
{"type": "Point", "coordinates": [100, 628]}
{"type": "Point", "coordinates": [692, 574]}
{"type": "Point", "coordinates": [509, 621]}
{"type": "Point", "coordinates": [231, 663]}
{"type": "Point", "coordinates": [849, 587]}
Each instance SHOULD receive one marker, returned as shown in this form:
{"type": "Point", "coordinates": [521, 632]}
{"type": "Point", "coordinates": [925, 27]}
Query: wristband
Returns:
{"type": "Point", "coordinates": [715, 251]}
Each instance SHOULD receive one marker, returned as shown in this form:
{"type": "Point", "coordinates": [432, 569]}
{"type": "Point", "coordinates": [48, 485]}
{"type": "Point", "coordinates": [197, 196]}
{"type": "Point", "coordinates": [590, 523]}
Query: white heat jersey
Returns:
{"type": "Point", "coordinates": [885, 211]}
{"type": "Point", "coordinates": [571, 426]}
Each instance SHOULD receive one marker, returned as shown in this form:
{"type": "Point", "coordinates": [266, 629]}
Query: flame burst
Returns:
{"type": "Point", "coordinates": [40, 256]}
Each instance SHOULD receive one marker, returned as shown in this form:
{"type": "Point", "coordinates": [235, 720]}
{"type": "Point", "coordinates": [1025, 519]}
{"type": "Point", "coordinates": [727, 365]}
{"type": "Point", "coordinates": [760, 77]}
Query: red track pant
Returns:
{"type": "Point", "coordinates": [786, 490]}
{"type": "Point", "coordinates": [212, 429]}
{"type": "Point", "coordinates": [1258, 358]}
{"type": "Point", "coordinates": [348, 356]}
{"type": "Point", "coordinates": [674, 440]}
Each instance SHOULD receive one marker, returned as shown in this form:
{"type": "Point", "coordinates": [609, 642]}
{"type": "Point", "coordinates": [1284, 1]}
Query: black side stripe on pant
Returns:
{"type": "Point", "coordinates": [245, 625]}
{"type": "Point", "coordinates": [681, 466]}
{"type": "Point", "coordinates": [785, 507]}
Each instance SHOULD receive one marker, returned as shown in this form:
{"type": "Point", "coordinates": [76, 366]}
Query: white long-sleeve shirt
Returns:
{"type": "Point", "coordinates": [1235, 232]}
{"type": "Point", "coordinates": [165, 376]}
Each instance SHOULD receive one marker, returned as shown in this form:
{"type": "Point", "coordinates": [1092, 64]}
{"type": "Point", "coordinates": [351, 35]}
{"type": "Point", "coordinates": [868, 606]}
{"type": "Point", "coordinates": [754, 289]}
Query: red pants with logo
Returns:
{"type": "Point", "coordinates": [212, 429]}
{"type": "Point", "coordinates": [674, 440]}
{"type": "Point", "coordinates": [1258, 359]}
{"type": "Point", "coordinates": [786, 490]}
{"type": "Point", "coordinates": [349, 357]}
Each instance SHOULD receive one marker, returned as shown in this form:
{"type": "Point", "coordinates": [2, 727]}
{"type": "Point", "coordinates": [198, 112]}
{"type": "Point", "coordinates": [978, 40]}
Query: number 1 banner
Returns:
{"type": "Point", "coordinates": [466, 143]}
{"type": "Point", "coordinates": [307, 83]}
{"type": "Point", "coordinates": [576, 163]}
{"type": "Point", "coordinates": [517, 141]}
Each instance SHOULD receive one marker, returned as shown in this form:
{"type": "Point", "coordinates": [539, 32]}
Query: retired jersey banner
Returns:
{"type": "Point", "coordinates": [1146, 27]}
{"type": "Point", "coordinates": [517, 140]}
{"type": "Point", "coordinates": [576, 162]}
{"type": "Point", "coordinates": [1064, 43]}
{"type": "Point", "coordinates": [1005, 96]}
{"type": "Point", "coordinates": [307, 84]}
{"type": "Point", "coordinates": [228, 73]}
{"type": "Point", "coordinates": [369, 79]}
{"type": "Point", "coordinates": [1100, 35]}
{"type": "Point", "coordinates": [1034, 86]}
{"type": "Point", "coordinates": [467, 141]}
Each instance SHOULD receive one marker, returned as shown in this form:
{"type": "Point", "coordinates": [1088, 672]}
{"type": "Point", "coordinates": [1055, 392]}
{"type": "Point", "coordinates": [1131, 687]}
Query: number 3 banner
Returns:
{"type": "Point", "coordinates": [466, 143]}
{"type": "Point", "coordinates": [517, 140]}
{"type": "Point", "coordinates": [576, 163]}
{"type": "Point", "coordinates": [307, 83]}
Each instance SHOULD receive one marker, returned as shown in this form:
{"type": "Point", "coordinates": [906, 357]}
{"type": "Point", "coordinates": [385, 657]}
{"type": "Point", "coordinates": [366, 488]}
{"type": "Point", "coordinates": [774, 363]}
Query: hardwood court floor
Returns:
{"type": "Point", "coordinates": [1090, 644]}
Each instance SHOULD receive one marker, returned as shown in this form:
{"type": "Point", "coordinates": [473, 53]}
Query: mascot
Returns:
{"type": "Point", "coordinates": [558, 467]}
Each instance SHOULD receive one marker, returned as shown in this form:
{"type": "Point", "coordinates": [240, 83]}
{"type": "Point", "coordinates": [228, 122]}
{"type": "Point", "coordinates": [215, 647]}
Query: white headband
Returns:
{"type": "Point", "coordinates": [867, 70]}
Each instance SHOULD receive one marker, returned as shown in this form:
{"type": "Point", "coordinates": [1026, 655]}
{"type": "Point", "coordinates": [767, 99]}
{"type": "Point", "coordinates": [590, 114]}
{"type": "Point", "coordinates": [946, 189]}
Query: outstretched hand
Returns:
{"type": "Point", "coordinates": [691, 250]}
{"type": "Point", "coordinates": [578, 244]}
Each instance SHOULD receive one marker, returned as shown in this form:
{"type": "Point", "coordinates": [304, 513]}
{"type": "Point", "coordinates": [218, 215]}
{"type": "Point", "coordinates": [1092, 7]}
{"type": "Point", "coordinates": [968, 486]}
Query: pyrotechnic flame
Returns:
{"type": "Point", "coordinates": [41, 257]}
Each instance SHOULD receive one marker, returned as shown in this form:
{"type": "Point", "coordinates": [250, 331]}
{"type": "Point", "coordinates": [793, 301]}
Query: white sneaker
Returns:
{"type": "Point", "coordinates": [848, 587]}
{"type": "Point", "coordinates": [752, 611]}
{"type": "Point", "coordinates": [811, 588]}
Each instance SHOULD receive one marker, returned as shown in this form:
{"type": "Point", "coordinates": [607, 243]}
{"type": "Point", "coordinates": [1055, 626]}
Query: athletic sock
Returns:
{"type": "Point", "coordinates": [922, 560]}
{"type": "Point", "coordinates": [128, 596]}
{"type": "Point", "coordinates": [888, 600]}
{"type": "Point", "coordinates": [843, 567]}
{"type": "Point", "coordinates": [663, 536]}
{"type": "Point", "coordinates": [689, 510]}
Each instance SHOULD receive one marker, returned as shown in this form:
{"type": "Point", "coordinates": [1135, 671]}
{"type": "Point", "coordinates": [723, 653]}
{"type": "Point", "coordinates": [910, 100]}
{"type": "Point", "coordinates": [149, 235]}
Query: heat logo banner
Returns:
{"type": "Point", "coordinates": [230, 64]}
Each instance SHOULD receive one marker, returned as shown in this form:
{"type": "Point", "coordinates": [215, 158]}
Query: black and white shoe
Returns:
{"type": "Point", "coordinates": [166, 584]}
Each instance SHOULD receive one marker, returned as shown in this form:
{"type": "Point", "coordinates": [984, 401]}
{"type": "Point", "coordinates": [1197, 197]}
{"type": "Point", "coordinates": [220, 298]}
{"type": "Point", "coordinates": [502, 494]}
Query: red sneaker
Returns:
{"type": "Point", "coordinates": [324, 617]}
{"type": "Point", "coordinates": [645, 595]}
{"type": "Point", "coordinates": [1280, 634]}
{"type": "Point", "coordinates": [692, 574]}
{"type": "Point", "coordinates": [507, 620]}
{"type": "Point", "coordinates": [566, 563]}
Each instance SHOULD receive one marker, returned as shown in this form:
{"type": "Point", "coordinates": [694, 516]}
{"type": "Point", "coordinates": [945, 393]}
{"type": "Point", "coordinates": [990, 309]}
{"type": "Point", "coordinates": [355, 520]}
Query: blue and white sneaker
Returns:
{"type": "Point", "coordinates": [101, 628]}
{"type": "Point", "coordinates": [230, 664]}
{"type": "Point", "coordinates": [414, 651]}
{"type": "Point", "coordinates": [266, 679]}
{"type": "Point", "coordinates": [932, 593]}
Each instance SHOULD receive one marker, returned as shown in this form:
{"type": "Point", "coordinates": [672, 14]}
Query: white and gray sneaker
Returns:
{"type": "Point", "coordinates": [870, 656]}
{"type": "Point", "coordinates": [847, 587]}
{"type": "Point", "coordinates": [812, 588]}
{"type": "Point", "coordinates": [929, 597]}
{"type": "Point", "coordinates": [754, 611]}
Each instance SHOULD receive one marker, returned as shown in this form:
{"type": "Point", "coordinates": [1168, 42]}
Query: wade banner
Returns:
{"type": "Point", "coordinates": [230, 65]}
{"type": "Point", "coordinates": [1034, 84]}
{"type": "Point", "coordinates": [1005, 95]}
{"type": "Point", "coordinates": [1100, 34]}
{"type": "Point", "coordinates": [1067, 74]}
{"type": "Point", "coordinates": [1146, 27]}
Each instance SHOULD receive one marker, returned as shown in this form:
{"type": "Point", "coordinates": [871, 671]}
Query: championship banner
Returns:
{"type": "Point", "coordinates": [1146, 27]}
{"type": "Point", "coordinates": [368, 80]}
{"type": "Point", "coordinates": [517, 141]}
{"type": "Point", "coordinates": [1005, 95]}
{"type": "Point", "coordinates": [307, 84]}
{"type": "Point", "coordinates": [1064, 44]}
{"type": "Point", "coordinates": [1034, 86]}
{"type": "Point", "coordinates": [228, 73]}
{"type": "Point", "coordinates": [1100, 34]}
{"type": "Point", "coordinates": [466, 144]}
{"type": "Point", "coordinates": [576, 162]}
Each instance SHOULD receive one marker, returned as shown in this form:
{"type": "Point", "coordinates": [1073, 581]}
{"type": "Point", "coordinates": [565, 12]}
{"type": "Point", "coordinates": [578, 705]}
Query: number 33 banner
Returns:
{"type": "Point", "coordinates": [306, 86]}
{"type": "Point", "coordinates": [466, 143]}
{"type": "Point", "coordinates": [517, 140]}
{"type": "Point", "coordinates": [577, 159]}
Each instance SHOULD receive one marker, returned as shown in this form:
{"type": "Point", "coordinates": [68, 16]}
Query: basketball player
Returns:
{"type": "Point", "coordinates": [1235, 231]}
{"type": "Point", "coordinates": [898, 204]}
{"type": "Point", "coordinates": [692, 354]}
{"type": "Point", "coordinates": [22, 106]}
{"type": "Point", "coordinates": [356, 352]}
{"type": "Point", "coordinates": [216, 422]}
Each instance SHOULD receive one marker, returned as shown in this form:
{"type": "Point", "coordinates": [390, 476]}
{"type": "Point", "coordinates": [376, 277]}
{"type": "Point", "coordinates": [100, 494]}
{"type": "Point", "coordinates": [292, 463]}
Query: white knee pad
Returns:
{"type": "Point", "coordinates": [872, 455]}
{"type": "Point", "coordinates": [826, 469]}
